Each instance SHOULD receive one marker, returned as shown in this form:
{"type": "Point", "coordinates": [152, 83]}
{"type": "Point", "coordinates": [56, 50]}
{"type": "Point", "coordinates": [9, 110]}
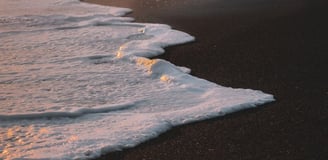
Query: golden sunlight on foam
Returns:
{"type": "Point", "coordinates": [10, 133]}
{"type": "Point", "coordinates": [73, 138]}
{"type": "Point", "coordinates": [165, 78]}
{"type": "Point", "coordinates": [43, 131]}
{"type": "Point", "coordinates": [5, 152]}
{"type": "Point", "coordinates": [119, 53]}
{"type": "Point", "coordinates": [20, 141]}
{"type": "Point", "coordinates": [148, 63]}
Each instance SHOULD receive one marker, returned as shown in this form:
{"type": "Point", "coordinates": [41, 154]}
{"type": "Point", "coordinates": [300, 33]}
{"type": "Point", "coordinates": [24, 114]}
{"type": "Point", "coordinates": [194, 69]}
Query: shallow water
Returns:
{"type": "Point", "coordinates": [75, 81]}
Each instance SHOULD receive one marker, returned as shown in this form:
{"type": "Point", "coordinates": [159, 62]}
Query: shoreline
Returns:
{"type": "Point", "coordinates": [274, 46]}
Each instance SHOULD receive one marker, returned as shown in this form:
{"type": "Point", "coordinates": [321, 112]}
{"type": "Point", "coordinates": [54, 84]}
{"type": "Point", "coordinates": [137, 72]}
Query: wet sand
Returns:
{"type": "Point", "coordinates": [277, 46]}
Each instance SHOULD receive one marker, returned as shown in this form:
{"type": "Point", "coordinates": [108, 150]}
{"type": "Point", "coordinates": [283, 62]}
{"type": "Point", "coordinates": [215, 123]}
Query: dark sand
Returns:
{"type": "Point", "coordinates": [277, 46]}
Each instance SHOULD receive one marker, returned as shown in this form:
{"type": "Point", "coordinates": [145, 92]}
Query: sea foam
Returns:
{"type": "Point", "coordinates": [77, 81]}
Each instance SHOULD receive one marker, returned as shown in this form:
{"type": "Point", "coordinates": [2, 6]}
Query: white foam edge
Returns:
{"type": "Point", "coordinates": [162, 36]}
{"type": "Point", "coordinates": [165, 121]}
{"type": "Point", "coordinates": [196, 113]}
{"type": "Point", "coordinates": [140, 51]}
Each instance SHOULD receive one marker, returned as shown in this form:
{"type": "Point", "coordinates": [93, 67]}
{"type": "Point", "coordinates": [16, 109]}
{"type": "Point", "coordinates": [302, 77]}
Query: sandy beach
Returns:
{"type": "Point", "coordinates": [277, 46]}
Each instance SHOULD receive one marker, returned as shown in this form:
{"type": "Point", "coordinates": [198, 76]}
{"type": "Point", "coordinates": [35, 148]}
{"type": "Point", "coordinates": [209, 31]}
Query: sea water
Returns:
{"type": "Point", "coordinates": [77, 81]}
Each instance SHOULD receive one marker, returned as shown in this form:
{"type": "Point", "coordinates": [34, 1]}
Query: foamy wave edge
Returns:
{"type": "Point", "coordinates": [140, 53]}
